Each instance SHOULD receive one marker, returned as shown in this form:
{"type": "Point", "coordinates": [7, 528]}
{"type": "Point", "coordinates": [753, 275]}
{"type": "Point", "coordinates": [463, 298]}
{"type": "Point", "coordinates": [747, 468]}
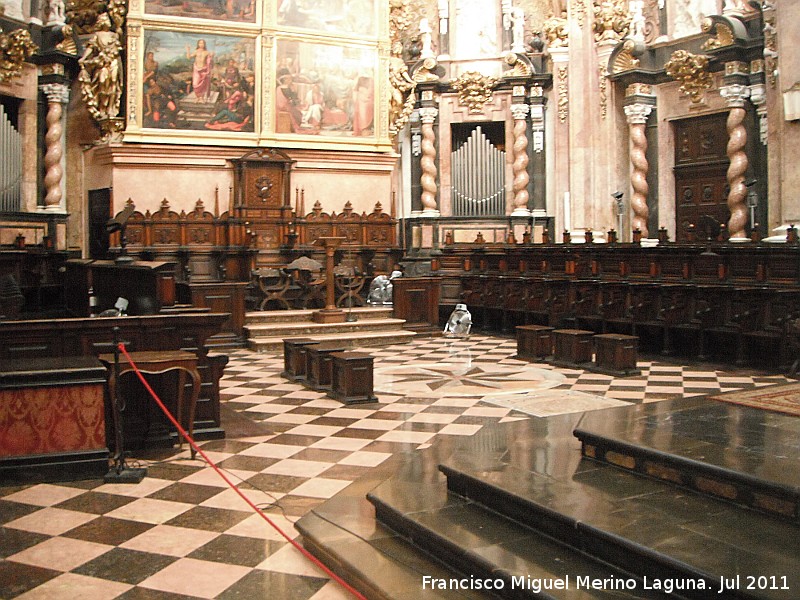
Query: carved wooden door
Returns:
{"type": "Point", "coordinates": [701, 164]}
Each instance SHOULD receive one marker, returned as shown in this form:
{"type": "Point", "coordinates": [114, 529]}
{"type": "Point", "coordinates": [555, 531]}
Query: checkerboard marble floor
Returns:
{"type": "Point", "coordinates": [181, 533]}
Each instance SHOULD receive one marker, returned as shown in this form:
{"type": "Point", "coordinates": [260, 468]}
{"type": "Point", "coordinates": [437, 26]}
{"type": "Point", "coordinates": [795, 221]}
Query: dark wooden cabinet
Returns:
{"type": "Point", "coordinates": [416, 299]}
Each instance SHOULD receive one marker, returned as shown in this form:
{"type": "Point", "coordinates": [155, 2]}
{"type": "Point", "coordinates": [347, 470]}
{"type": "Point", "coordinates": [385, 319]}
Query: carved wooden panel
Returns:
{"type": "Point", "coordinates": [701, 139]}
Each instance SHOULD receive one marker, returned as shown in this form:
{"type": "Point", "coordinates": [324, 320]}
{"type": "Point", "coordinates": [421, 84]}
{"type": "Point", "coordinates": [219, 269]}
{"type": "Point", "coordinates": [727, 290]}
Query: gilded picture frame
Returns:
{"type": "Point", "coordinates": [330, 17]}
{"type": "Point", "coordinates": [183, 71]}
{"type": "Point", "coordinates": [325, 90]}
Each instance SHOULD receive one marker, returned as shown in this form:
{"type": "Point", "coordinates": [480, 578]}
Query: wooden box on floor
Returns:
{"type": "Point", "coordinates": [572, 346]}
{"type": "Point", "coordinates": [319, 365]}
{"type": "Point", "coordinates": [352, 377]}
{"type": "Point", "coordinates": [616, 353]}
{"type": "Point", "coordinates": [294, 357]}
{"type": "Point", "coordinates": [534, 341]}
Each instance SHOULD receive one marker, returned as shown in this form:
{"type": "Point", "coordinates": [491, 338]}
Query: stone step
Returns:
{"type": "Point", "coordinates": [354, 339]}
{"type": "Point", "coordinates": [644, 440]}
{"type": "Point", "coordinates": [485, 545]}
{"type": "Point", "coordinates": [305, 328]}
{"type": "Point", "coordinates": [639, 525]}
{"type": "Point", "coordinates": [281, 316]}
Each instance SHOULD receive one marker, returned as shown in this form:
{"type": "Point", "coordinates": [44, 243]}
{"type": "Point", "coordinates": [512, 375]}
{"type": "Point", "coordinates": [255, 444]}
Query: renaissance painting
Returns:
{"type": "Point", "coordinates": [349, 17]}
{"type": "Point", "coordinates": [194, 81]}
{"type": "Point", "coordinates": [224, 10]}
{"type": "Point", "coordinates": [325, 89]}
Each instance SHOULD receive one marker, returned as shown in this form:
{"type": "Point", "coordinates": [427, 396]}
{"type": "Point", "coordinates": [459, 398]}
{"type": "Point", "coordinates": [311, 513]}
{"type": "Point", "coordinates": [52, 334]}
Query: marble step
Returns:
{"type": "Point", "coordinates": [640, 525]}
{"type": "Point", "coordinates": [484, 545]}
{"type": "Point", "coordinates": [381, 564]}
{"type": "Point", "coordinates": [691, 447]}
{"type": "Point", "coordinates": [256, 317]}
{"type": "Point", "coordinates": [305, 328]}
{"type": "Point", "coordinates": [353, 339]}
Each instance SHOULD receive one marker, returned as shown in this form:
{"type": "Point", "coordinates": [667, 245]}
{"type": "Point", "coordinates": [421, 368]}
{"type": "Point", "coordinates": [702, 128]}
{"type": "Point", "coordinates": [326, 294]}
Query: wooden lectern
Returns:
{"type": "Point", "coordinates": [329, 314]}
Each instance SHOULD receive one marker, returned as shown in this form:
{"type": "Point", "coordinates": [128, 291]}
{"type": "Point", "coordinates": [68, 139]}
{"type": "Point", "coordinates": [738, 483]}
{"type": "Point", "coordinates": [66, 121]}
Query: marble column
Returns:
{"type": "Point", "coordinates": [57, 96]}
{"type": "Point", "coordinates": [427, 115]}
{"type": "Point", "coordinates": [636, 114]}
{"type": "Point", "coordinates": [736, 94]}
{"type": "Point", "coordinates": [520, 164]}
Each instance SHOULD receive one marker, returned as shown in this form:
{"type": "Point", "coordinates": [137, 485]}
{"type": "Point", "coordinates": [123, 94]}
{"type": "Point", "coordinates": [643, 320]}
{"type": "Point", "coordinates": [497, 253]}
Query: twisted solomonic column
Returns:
{"type": "Point", "coordinates": [520, 166]}
{"type": "Point", "coordinates": [428, 162]}
{"type": "Point", "coordinates": [57, 96]}
{"type": "Point", "coordinates": [736, 95]}
{"type": "Point", "coordinates": [636, 115]}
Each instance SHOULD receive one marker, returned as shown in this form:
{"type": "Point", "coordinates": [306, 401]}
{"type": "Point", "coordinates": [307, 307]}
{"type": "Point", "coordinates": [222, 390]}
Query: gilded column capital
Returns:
{"type": "Point", "coordinates": [56, 92]}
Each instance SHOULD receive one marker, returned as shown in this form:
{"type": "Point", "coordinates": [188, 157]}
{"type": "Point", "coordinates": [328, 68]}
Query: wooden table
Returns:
{"type": "Point", "coordinates": [157, 363]}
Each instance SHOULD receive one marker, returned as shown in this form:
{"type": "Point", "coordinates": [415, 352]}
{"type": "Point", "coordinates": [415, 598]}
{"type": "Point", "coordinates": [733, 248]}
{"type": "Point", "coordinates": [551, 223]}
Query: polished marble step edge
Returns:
{"type": "Point", "coordinates": [378, 575]}
{"type": "Point", "coordinates": [303, 327]}
{"type": "Point", "coordinates": [735, 486]}
{"type": "Point", "coordinates": [617, 551]}
{"type": "Point", "coordinates": [279, 316]}
{"type": "Point", "coordinates": [350, 340]}
{"type": "Point", "coordinates": [444, 547]}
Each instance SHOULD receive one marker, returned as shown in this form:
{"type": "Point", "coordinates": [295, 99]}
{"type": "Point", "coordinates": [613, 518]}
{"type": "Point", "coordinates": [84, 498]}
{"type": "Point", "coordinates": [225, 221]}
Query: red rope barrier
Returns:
{"type": "Point", "coordinates": [219, 472]}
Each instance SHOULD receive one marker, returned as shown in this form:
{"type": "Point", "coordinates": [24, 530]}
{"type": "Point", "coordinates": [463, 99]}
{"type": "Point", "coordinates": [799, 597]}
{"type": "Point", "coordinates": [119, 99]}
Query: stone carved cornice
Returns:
{"type": "Point", "coordinates": [474, 90]}
{"type": "Point", "coordinates": [15, 48]}
{"type": "Point", "coordinates": [691, 70]}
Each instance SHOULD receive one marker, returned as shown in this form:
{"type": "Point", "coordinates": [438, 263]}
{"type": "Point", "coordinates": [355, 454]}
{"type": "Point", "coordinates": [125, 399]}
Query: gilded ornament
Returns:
{"type": "Point", "coordinates": [625, 59]}
{"type": "Point", "coordinates": [83, 14]}
{"type": "Point", "coordinates": [556, 31]}
{"type": "Point", "coordinates": [474, 90]}
{"type": "Point", "coordinates": [101, 72]}
{"type": "Point", "coordinates": [611, 20]}
{"type": "Point", "coordinates": [425, 71]}
{"type": "Point", "coordinates": [722, 35]}
{"type": "Point", "coordinates": [519, 68]}
{"type": "Point", "coordinates": [402, 99]}
{"type": "Point", "coordinates": [15, 48]}
{"type": "Point", "coordinates": [67, 45]}
{"type": "Point", "coordinates": [691, 70]}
